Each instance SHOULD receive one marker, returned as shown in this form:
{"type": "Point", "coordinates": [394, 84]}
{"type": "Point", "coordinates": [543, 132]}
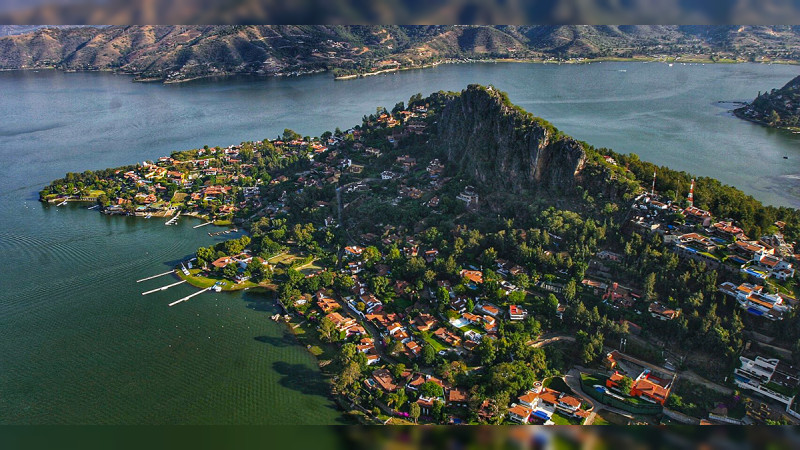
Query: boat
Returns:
{"type": "Point", "coordinates": [670, 64]}
{"type": "Point", "coordinates": [216, 288]}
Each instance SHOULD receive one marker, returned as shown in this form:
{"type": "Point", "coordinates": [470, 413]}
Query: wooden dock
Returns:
{"type": "Point", "coordinates": [189, 296]}
{"type": "Point", "coordinates": [164, 288]}
{"type": "Point", "coordinates": [202, 224]}
{"type": "Point", "coordinates": [155, 276]}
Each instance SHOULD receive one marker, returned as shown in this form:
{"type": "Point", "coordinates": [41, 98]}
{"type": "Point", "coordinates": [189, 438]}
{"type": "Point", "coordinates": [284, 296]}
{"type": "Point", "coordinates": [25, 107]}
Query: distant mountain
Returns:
{"type": "Point", "coordinates": [175, 53]}
{"type": "Point", "coordinates": [777, 108]}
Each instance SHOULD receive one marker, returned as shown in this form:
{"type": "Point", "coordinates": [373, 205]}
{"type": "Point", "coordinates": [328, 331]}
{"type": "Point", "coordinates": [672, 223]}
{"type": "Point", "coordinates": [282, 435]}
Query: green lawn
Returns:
{"type": "Point", "coordinates": [561, 419]}
{"type": "Point", "coordinates": [197, 280]}
{"type": "Point", "coordinates": [310, 268]}
{"type": "Point", "coordinates": [437, 345]}
{"type": "Point", "coordinates": [557, 384]}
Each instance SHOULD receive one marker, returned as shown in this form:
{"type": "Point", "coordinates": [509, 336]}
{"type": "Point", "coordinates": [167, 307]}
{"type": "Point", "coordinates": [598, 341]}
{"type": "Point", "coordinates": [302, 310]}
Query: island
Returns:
{"type": "Point", "coordinates": [457, 260]}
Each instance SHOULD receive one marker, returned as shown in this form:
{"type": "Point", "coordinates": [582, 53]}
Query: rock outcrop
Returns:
{"type": "Point", "coordinates": [502, 146]}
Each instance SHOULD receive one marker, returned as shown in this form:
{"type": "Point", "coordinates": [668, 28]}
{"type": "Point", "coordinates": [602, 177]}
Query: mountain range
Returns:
{"type": "Point", "coordinates": [177, 53]}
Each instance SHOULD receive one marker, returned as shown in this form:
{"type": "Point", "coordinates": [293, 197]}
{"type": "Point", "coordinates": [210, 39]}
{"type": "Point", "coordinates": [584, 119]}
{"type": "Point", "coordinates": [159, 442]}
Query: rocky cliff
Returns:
{"type": "Point", "coordinates": [502, 146]}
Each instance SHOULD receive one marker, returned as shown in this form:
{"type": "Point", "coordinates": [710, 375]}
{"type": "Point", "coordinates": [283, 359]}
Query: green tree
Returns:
{"type": "Point", "coordinates": [625, 385]}
{"type": "Point", "coordinates": [414, 411]}
{"type": "Point", "coordinates": [328, 331]}
{"type": "Point", "coordinates": [430, 389]}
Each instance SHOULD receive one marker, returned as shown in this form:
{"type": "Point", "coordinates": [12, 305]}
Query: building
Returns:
{"type": "Point", "coordinates": [517, 313]}
{"type": "Point", "coordinates": [772, 378]}
{"type": "Point", "coordinates": [754, 300]}
{"type": "Point", "coordinates": [662, 312]}
{"type": "Point", "coordinates": [468, 196]}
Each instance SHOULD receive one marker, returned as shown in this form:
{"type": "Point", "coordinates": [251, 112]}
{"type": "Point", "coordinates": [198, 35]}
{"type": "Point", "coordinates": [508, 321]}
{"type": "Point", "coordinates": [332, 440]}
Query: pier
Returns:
{"type": "Point", "coordinates": [155, 276]}
{"type": "Point", "coordinates": [189, 296]}
{"type": "Point", "coordinates": [173, 220]}
{"type": "Point", "coordinates": [164, 288]}
{"type": "Point", "coordinates": [232, 230]}
{"type": "Point", "coordinates": [202, 225]}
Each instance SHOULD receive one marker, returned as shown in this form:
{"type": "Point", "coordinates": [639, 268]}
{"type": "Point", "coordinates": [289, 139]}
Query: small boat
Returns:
{"type": "Point", "coordinates": [785, 157]}
{"type": "Point", "coordinates": [216, 288]}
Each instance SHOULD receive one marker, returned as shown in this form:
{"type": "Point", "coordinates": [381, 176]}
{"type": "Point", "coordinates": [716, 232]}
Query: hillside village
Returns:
{"type": "Point", "coordinates": [429, 298]}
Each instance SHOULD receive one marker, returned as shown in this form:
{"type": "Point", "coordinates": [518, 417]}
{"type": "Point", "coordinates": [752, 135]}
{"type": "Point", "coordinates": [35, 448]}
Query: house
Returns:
{"type": "Point", "coordinates": [354, 250]}
{"type": "Point", "coordinates": [468, 196]}
{"type": "Point", "coordinates": [753, 299]}
{"type": "Point", "coordinates": [648, 387]}
{"type": "Point", "coordinates": [398, 332]}
{"type": "Point", "coordinates": [729, 231]}
{"type": "Point", "coordinates": [489, 309]}
{"type": "Point", "coordinates": [448, 337]}
{"type": "Point", "coordinates": [426, 405]}
{"type": "Point", "coordinates": [424, 322]}
{"type": "Point", "coordinates": [346, 325]}
{"type": "Point", "coordinates": [698, 241]}
{"type": "Point", "coordinates": [516, 313]}
{"type": "Point", "coordinates": [748, 249]}
{"type": "Point", "coordinates": [696, 215]}
{"type": "Point", "coordinates": [412, 349]}
{"type": "Point", "coordinates": [474, 276]}
{"type": "Point", "coordinates": [327, 304]}
{"type": "Point", "coordinates": [662, 312]}
{"type": "Point", "coordinates": [384, 379]}
{"type": "Point", "coordinates": [771, 377]}
{"type": "Point", "coordinates": [457, 397]}
{"type": "Point", "coordinates": [519, 413]}
{"type": "Point", "coordinates": [387, 175]}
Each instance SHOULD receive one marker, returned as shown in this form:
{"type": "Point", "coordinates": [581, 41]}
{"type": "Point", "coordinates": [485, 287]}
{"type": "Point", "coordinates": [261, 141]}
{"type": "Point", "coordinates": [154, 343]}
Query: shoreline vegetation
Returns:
{"type": "Point", "coordinates": [433, 287]}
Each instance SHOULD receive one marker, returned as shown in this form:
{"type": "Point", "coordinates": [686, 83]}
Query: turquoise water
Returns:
{"type": "Point", "coordinates": [80, 344]}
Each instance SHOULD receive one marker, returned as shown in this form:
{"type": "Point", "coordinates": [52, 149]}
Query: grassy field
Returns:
{"type": "Point", "coordinates": [179, 197]}
{"type": "Point", "coordinates": [310, 268]}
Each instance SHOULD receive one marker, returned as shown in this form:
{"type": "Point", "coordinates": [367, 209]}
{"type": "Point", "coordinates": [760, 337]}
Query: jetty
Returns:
{"type": "Point", "coordinates": [173, 220]}
{"type": "Point", "coordinates": [217, 233]}
{"type": "Point", "coordinates": [62, 203]}
{"type": "Point", "coordinates": [155, 276]}
{"type": "Point", "coordinates": [189, 296]}
{"type": "Point", "coordinates": [93, 207]}
{"type": "Point", "coordinates": [202, 224]}
{"type": "Point", "coordinates": [164, 288]}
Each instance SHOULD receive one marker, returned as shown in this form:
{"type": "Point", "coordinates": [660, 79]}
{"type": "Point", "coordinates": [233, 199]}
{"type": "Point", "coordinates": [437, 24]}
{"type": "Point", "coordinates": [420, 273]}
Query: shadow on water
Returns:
{"type": "Point", "coordinates": [277, 341]}
{"type": "Point", "coordinates": [301, 378]}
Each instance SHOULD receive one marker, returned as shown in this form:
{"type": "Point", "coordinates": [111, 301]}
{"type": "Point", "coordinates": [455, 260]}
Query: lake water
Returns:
{"type": "Point", "coordinates": [80, 344]}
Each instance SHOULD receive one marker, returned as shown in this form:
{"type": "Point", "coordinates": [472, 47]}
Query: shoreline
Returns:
{"type": "Point", "coordinates": [164, 80]}
{"type": "Point", "coordinates": [737, 112]}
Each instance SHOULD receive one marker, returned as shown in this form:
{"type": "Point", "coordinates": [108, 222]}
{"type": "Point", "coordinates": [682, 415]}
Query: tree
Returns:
{"type": "Point", "coordinates": [431, 390]}
{"type": "Point", "coordinates": [625, 385]}
{"type": "Point", "coordinates": [650, 287]}
{"type": "Point", "coordinates": [395, 347]}
{"type": "Point", "coordinates": [328, 331]}
{"type": "Point", "coordinates": [371, 255]}
{"type": "Point", "coordinates": [414, 411]}
{"type": "Point", "coordinates": [428, 354]}
{"type": "Point", "coordinates": [348, 377]}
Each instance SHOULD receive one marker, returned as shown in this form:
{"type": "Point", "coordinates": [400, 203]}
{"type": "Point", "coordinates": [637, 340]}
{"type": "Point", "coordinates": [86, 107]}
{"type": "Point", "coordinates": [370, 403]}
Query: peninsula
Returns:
{"type": "Point", "coordinates": [455, 259]}
{"type": "Point", "coordinates": [778, 108]}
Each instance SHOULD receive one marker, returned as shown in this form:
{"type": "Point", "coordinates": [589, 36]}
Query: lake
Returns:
{"type": "Point", "coordinates": [80, 344]}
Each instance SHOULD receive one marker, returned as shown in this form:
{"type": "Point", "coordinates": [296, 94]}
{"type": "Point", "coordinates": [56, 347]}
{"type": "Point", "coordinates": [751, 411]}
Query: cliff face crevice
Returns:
{"type": "Point", "coordinates": [504, 147]}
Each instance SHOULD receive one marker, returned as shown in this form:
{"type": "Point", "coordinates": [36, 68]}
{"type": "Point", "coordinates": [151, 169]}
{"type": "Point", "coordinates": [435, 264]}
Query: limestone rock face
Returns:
{"type": "Point", "coordinates": [502, 146]}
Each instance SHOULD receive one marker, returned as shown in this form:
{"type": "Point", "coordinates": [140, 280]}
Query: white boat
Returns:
{"type": "Point", "coordinates": [216, 288]}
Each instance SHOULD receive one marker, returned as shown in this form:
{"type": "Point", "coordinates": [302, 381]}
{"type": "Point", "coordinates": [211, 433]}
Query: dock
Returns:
{"type": "Point", "coordinates": [62, 203]}
{"type": "Point", "coordinates": [155, 276]}
{"type": "Point", "coordinates": [189, 296]}
{"type": "Point", "coordinates": [202, 224]}
{"type": "Point", "coordinates": [173, 220]}
{"type": "Point", "coordinates": [164, 288]}
{"type": "Point", "coordinates": [217, 233]}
